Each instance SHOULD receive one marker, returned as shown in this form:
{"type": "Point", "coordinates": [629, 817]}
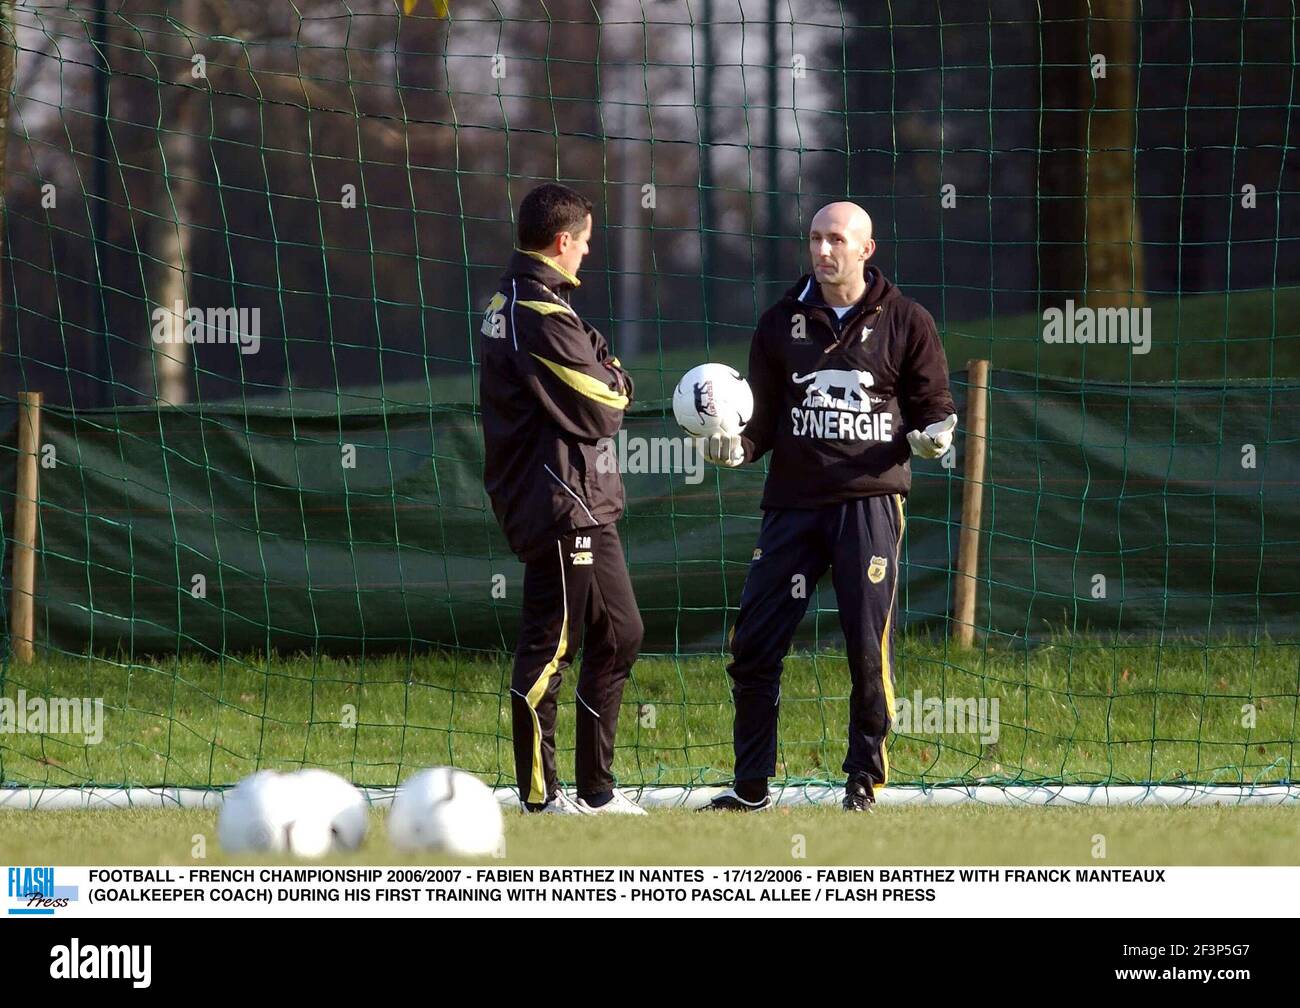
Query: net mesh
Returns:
{"type": "Point", "coordinates": [246, 252]}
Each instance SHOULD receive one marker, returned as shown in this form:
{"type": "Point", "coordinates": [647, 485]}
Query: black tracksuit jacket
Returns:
{"type": "Point", "coordinates": [834, 399]}
{"type": "Point", "coordinates": [551, 395]}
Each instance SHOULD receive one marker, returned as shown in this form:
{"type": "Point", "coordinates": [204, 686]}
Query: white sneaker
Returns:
{"type": "Point", "coordinates": [560, 804]}
{"type": "Point", "coordinates": [620, 804]}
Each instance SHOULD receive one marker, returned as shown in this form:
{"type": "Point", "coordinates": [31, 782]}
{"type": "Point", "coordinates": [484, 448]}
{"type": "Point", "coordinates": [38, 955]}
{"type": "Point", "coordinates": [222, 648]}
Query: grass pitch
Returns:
{"type": "Point", "coordinates": [961, 835]}
{"type": "Point", "coordinates": [1071, 711]}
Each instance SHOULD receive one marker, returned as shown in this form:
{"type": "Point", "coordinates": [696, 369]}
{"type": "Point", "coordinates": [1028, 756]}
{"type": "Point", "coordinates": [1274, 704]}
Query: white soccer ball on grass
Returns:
{"type": "Point", "coordinates": [326, 795]}
{"type": "Point", "coordinates": [447, 810]}
{"type": "Point", "coordinates": [307, 814]}
{"type": "Point", "coordinates": [255, 814]}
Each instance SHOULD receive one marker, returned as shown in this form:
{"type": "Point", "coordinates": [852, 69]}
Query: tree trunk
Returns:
{"type": "Point", "coordinates": [1115, 271]}
{"type": "Point", "coordinates": [1063, 83]}
{"type": "Point", "coordinates": [178, 197]}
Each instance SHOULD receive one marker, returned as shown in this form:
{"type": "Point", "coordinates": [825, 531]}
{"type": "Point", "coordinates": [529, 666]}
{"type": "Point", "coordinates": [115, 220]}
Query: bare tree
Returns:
{"type": "Point", "coordinates": [169, 366]}
{"type": "Point", "coordinates": [1088, 218]}
{"type": "Point", "coordinates": [1115, 274]}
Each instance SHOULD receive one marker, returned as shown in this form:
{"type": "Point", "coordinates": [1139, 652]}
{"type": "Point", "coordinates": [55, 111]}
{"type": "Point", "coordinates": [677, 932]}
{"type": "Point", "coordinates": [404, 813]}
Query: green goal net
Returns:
{"type": "Point", "coordinates": [246, 249]}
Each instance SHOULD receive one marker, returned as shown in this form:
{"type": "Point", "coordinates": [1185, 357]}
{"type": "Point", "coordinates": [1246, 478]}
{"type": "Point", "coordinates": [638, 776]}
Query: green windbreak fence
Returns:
{"type": "Point", "coordinates": [248, 588]}
{"type": "Point", "coordinates": [1144, 510]}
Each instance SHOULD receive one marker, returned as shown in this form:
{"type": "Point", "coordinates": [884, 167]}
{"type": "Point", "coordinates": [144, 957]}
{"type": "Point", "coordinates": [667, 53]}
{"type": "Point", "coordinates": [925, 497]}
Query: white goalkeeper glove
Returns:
{"type": "Point", "coordinates": [724, 450]}
{"type": "Point", "coordinates": [934, 440]}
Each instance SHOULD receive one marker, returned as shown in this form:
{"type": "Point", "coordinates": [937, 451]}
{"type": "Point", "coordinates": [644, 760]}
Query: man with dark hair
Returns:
{"type": "Point", "coordinates": [552, 397]}
{"type": "Point", "coordinates": [848, 374]}
{"type": "Point", "coordinates": [548, 211]}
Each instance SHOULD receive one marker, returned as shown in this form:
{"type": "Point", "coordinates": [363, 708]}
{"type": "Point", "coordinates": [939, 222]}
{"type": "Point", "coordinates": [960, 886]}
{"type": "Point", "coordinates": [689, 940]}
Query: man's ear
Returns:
{"type": "Point", "coordinates": [869, 249]}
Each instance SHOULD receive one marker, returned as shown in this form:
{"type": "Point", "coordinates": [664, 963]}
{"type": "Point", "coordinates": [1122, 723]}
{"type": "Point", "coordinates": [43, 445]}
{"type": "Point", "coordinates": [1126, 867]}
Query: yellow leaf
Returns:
{"type": "Point", "coordinates": [441, 8]}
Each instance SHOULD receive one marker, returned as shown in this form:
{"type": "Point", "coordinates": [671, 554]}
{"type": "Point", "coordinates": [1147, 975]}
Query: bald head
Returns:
{"type": "Point", "coordinates": [844, 217]}
{"type": "Point", "coordinates": [840, 243]}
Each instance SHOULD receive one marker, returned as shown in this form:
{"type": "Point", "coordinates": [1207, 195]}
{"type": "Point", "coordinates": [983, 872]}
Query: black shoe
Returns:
{"type": "Point", "coordinates": [858, 795]}
{"type": "Point", "coordinates": [729, 801]}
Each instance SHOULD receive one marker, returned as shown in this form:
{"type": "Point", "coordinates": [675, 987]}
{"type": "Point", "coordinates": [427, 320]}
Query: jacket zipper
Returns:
{"type": "Point", "coordinates": [840, 341]}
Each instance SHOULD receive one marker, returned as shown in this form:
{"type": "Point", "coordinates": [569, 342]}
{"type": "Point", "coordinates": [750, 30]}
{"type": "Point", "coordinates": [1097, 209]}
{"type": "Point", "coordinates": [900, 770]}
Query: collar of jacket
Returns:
{"type": "Point", "coordinates": [879, 290]}
{"type": "Point", "coordinates": [543, 269]}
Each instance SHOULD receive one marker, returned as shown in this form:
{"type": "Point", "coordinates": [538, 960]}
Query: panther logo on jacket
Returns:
{"type": "Point", "coordinates": [837, 405]}
{"type": "Point", "coordinates": [837, 389]}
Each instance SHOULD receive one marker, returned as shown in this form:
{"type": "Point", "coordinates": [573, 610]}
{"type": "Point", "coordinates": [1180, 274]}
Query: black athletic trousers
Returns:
{"type": "Point", "coordinates": [859, 540]}
{"type": "Point", "coordinates": [581, 584]}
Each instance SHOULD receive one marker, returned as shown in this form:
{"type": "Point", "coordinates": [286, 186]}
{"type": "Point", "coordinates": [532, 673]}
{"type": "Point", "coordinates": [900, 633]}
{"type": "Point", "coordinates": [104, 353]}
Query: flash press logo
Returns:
{"type": "Point", "coordinates": [32, 893]}
{"type": "Point", "coordinates": [76, 961]}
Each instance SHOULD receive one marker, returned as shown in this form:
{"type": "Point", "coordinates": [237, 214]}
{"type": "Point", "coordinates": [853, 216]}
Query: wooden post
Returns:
{"type": "Point", "coordinates": [972, 500]}
{"type": "Point", "coordinates": [22, 623]}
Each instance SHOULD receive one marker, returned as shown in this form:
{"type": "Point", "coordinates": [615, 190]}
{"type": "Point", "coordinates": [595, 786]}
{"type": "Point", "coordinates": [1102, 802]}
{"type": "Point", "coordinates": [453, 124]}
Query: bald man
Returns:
{"type": "Point", "coordinates": [849, 376]}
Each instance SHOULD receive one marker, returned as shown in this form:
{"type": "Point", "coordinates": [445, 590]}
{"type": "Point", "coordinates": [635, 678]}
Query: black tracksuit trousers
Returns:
{"type": "Point", "coordinates": [858, 539]}
{"type": "Point", "coordinates": [581, 584]}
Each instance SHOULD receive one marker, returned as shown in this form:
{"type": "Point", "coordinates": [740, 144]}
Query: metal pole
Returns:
{"type": "Point", "coordinates": [706, 160]}
{"type": "Point", "coordinates": [772, 257]}
{"type": "Point", "coordinates": [103, 371]}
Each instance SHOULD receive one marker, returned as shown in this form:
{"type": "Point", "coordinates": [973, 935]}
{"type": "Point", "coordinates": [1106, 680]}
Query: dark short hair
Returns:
{"type": "Point", "coordinates": [548, 210]}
